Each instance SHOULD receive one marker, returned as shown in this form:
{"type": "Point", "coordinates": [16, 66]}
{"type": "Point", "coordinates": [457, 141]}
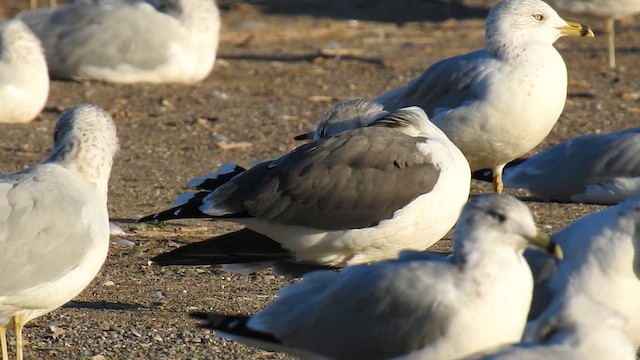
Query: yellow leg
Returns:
{"type": "Point", "coordinates": [611, 31]}
{"type": "Point", "coordinates": [33, 4]}
{"type": "Point", "coordinates": [18, 324]}
{"type": "Point", "coordinates": [52, 3]}
{"type": "Point", "coordinates": [3, 340]}
{"type": "Point", "coordinates": [497, 179]}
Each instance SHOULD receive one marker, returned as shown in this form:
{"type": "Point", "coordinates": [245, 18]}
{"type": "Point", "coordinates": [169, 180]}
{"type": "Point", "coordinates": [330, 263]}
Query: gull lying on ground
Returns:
{"type": "Point", "coordinates": [54, 226]}
{"type": "Point", "coordinates": [128, 41]}
{"type": "Point", "coordinates": [583, 329]}
{"type": "Point", "coordinates": [596, 169]}
{"type": "Point", "coordinates": [608, 9]}
{"type": "Point", "coordinates": [602, 251]}
{"type": "Point", "coordinates": [445, 307]}
{"type": "Point", "coordinates": [358, 197]}
{"type": "Point", "coordinates": [498, 103]}
{"type": "Point", "coordinates": [24, 81]}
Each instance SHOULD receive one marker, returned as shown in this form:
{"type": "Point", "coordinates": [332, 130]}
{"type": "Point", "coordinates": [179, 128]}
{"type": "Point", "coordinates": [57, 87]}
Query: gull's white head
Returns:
{"type": "Point", "coordinates": [520, 23]}
{"type": "Point", "coordinates": [19, 45]}
{"type": "Point", "coordinates": [412, 121]}
{"type": "Point", "coordinates": [498, 221]}
{"type": "Point", "coordinates": [85, 141]}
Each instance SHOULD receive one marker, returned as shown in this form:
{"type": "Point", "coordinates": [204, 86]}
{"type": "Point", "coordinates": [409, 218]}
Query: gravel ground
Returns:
{"type": "Point", "coordinates": [274, 78]}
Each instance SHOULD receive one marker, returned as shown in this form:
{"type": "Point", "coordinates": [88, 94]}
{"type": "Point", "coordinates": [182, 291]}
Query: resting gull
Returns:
{"type": "Point", "coordinates": [357, 197]}
{"type": "Point", "coordinates": [498, 103]}
{"type": "Point", "coordinates": [602, 251]}
{"type": "Point", "coordinates": [54, 226]}
{"type": "Point", "coordinates": [24, 81]}
{"type": "Point", "coordinates": [608, 9]}
{"type": "Point", "coordinates": [444, 307]}
{"type": "Point", "coordinates": [128, 41]}
{"type": "Point", "coordinates": [595, 168]}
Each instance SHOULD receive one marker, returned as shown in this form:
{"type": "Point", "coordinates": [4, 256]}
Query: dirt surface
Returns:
{"type": "Point", "coordinates": [272, 81]}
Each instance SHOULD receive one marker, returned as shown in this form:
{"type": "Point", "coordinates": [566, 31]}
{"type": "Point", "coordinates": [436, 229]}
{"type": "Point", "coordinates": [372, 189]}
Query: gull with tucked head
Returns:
{"type": "Point", "coordinates": [498, 103]}
{"type": "Point", "coordinates": [420, 304]}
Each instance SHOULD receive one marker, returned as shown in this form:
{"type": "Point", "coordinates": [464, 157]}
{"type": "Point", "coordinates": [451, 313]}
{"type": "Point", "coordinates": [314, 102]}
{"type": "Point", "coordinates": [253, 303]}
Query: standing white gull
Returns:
{"type": "Point", "coordinates": [602, 252]}
{"type": "Point", "coordinates": [584, 329]}
{"type": "Point", "coordinates": [54, 226]}
{"type": "Point", "coordinates": [358, 197]}
{"type": "Point", "coordinates": [498, 103]}
{"type": "Point", "coordinates": [607, 9]}
{"type": "Point", "coordinates": [128, 41]}
{"type": "Point", "coordinates": [24, 81]}
{"type": "Point", "coordinates": [444, 307]}
{"type": "Point", "coordinates": [595, 168]}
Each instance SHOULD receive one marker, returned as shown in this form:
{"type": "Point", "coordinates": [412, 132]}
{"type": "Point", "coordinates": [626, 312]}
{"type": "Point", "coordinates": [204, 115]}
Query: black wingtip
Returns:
{"type": "Point", "coordinates": [302, 137]}
{"type": "Point", "coordinates": [233, 325]}
{"type": "Point", "coordinates": [213, 181]}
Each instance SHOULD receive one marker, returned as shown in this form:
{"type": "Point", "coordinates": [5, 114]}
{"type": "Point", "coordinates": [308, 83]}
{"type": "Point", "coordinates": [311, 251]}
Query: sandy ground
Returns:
{"type": "Point", "coordinates": [273, 79]}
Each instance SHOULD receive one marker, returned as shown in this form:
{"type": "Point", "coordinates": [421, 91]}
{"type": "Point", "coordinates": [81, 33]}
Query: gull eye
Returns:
{"type": "Point", "coordinates": [498, 216]}
{"type": "Point", "coordinates": [538, 17]}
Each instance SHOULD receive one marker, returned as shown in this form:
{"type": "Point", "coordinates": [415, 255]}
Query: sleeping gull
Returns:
{"type": "Point", "coordinates": [444, 307]}
{"type": "Point", "coordinates": [608, 9]}
{"type": "Point", "coordinates": [596, 169]}
{"type": "Point", "coordinates": [583, 330]}
{"type": "Point", "coordinates": [128, 41]}
{"type": "Point", "coordinates": [360, 196]}
{"type": "Point", "coordinates": [54, 226]}
{"type": "Point", "coordinates": [602, 251]}
{"type": "Point", "coordinates": [498, 103]}
{"type": "Point", "coordinates": [24, 81]}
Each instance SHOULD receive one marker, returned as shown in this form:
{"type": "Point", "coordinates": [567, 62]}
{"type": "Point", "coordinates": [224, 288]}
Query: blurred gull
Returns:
{"type": "Point", "coordinates": [24, 81]}
{"type": "Point", "coordinates": [596, 168]}
{"type": "Point", "coordinates": [476, 299]}
{"type": "Point", "coordinates": [54, 226]}
{"type": "Point", "coordinates": [129, 41]}
{"type": "Point", "coordinates": [602, 253]}
{"type": "Point", "coordinates": [498, 103]}
{"type": "Point", "coordinates": [584, 329]}
{"type": "Point", "coordinates": [608, 9]}
{"type": "Point", "coordinates": [358, 197]}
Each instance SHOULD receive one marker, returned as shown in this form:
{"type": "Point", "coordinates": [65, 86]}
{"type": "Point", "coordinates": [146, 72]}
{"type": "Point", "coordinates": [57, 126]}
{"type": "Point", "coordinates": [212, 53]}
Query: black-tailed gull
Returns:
{"type": "Point", "coordinates": [607, 9]}
{"type": "Point", "coordinates": [445, 307]}
{"type": "Point", "coordinates": [595, 168]}
{"type": "Point", "coordinates": [24, 81]}
{"type": "Point", "coordinates": [128, 41]}
{"type": "Point", "coordinates": [601, 261]}
{"type": "Point", "coordinates": [498, 103]}
{"type": "Point", "coordinates": [54, 226]}
{"type": "Point", "coordinates": [360, 196]}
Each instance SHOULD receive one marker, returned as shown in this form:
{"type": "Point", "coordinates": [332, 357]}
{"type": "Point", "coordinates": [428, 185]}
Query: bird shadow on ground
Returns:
{"type": "Point", "coordinates": [400, 11]}
{"type": "Point", "coordinates": [103, 305]}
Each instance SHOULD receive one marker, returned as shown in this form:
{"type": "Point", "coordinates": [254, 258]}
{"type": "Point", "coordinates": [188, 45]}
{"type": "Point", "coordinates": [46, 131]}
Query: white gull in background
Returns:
{"type": "Point", "coordinates": [357, 197]}
{"type": "Point", "coordinates": [498, 103]}
{"type": "Point", "coordinates": [417, 302]}
{"type": "Point", "coordinates": [607, 9]}
{"type": "Point", "coordinates": [601, 261]}
{"type": "Point", "coordinates": [584, 329]}
{"type": "Point", "coordinates": [54, 226]}
{"type": "Point", "coordinates": [128, 41]}
{"type": "Point", "coordinates": [595, 168]}
{"type": "Point", "coordinates": [24, 81]}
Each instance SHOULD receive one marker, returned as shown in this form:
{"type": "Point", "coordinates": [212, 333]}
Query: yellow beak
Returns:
{"type": "Point", "coordinates": [542, 241]}
{"type": "Point", "coordinates": [576, 29]}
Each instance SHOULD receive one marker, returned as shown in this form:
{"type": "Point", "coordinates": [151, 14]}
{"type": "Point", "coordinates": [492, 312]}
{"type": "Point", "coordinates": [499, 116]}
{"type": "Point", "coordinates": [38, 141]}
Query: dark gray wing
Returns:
{"type": "Point", "coordinates": [353, 180]}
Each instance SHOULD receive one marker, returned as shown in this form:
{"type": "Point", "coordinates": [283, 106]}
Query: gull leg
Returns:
{"type": "Point", "coordinates": [497, 179]}
{"type": "Point", "coordinates": [3, 340]}
{"type": "Point", "coordinates": [18, 324]}
{"type": "Point", "coordinates": [611, 31]}
{"type": "Point", "coordinates": [33, 4]}
{"type": "Point", "coordinates": [52, 3]}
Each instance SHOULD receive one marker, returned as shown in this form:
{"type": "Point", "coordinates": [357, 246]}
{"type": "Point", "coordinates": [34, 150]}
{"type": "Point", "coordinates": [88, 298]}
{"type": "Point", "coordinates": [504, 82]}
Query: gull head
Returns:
{"type": "Point", "coordinates": [85, 141]}
{"type": "Point", "coordinates": [524, 22]}
{"type": "Point", "coordinates": [500, 220]}
{"type": "Point", "coordinates": [412, 121]}
{"type": "Point", "coordinates": [343, 116]}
